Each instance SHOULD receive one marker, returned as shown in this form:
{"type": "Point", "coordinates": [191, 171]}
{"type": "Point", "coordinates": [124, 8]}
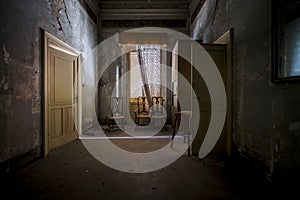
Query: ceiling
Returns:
{"type": "Point", "coordinates": [133, 9]}
{"type": "Point", "coordinates": [137, 13]}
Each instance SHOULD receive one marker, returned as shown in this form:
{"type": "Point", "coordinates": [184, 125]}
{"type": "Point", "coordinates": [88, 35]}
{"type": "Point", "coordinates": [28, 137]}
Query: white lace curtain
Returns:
{"type": "Point", "coordinates": [150, 62]}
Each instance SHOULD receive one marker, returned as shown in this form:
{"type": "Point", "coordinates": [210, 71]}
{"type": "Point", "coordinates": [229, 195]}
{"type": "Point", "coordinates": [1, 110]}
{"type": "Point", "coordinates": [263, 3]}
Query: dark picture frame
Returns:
{"type": "Point", "coordinates": [286, 40]}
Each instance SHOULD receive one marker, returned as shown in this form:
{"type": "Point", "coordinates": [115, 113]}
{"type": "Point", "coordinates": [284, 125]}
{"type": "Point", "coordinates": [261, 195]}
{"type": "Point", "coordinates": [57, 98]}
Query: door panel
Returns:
{"type": "Point", "coordinates": [70, 127]}
{"type": "Point", "coordinates": [61, 75]}
{"type": "Point", "coordinates": [63, 80]}
{"type": "Point", "coordinates": [56, 123]}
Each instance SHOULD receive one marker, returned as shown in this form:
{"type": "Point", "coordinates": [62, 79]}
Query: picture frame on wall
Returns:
{"type": "Point", "coordinates": [286, 41]}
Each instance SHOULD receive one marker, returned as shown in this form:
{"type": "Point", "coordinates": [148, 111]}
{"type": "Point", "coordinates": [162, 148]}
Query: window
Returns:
{"type": "Point", "coordinates": [286, 52]}
{"type": "Point", "coordinates": [145, 79]}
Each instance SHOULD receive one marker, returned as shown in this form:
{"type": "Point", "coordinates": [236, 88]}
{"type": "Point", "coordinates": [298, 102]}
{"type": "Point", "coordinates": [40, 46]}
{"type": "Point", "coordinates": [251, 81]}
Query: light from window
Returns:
{"type": "Point", "coordinates": [136, 83]}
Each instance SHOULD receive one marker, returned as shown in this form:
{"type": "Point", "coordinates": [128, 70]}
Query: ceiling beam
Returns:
{"type": "Point", "coordinates": [144, 16]}
{"type": "Point", "coordinates": [169, 2]}
{"type": "Point", "coordinates": [132, 11]}
{"type": "Point", "coordinates": [144, 4]}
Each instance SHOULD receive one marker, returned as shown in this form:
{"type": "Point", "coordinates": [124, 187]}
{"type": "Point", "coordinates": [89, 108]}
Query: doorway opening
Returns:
{"type": "Point", "coordinates": [227, 39]}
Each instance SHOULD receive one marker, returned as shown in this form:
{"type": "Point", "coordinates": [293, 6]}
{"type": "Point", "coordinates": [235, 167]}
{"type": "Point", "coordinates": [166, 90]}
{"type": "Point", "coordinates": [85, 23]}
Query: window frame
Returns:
{"type": "Point", "coordinates": [278, 8]}
{"type": "Point", "coordinates": [134, 99]}
{"type": "Point", "coordinates": [130, 78]}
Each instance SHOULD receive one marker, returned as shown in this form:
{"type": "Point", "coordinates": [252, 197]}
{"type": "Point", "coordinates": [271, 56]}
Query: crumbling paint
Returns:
{"type": "Point", "coordinates": [36, 100]}
{"type": "Point", "coordinates": [21, 65]}
{"type": "Point", "coordinates": [216, 13]}
{"type": "Point", "coordinates": [5, 79]}
{"type": "Point", "coordinates": [22, 87]}
{"type": "Point", "coordinates": [6, 55]}
{"type": "Point", "coordinates": [57, 7]}
{"type": "Point", "coordinates": [36, 104]}
{"type": "Point", "coordinates": [36, 135]}
{"type": "Point", "coordinates": [260, 109]}
{"type": "Point", "coordinates": [4, 83]}
{"type": "Point", "coordinates": [204, 19]}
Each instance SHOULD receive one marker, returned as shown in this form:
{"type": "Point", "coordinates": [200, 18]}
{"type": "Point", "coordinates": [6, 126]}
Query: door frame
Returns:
{"type": "Point", "coordinates": [51, 41]}
{"type": "Point", "coordinates": [227, 39]}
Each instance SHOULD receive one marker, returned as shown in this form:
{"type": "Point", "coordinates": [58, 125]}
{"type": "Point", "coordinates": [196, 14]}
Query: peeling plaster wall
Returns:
{"type": "Point", "coordinates": [107, 81]}
{"type": "Point", "coordinates": [266, 116]}
{"type": "Point", "coordinates": [21, 65]}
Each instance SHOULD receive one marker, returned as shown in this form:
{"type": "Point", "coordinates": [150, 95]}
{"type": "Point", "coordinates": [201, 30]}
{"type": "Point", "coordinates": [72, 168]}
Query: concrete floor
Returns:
{"type": "Point", "coordinates": [70, 172]}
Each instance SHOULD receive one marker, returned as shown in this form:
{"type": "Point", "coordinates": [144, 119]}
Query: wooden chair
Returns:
{"type": "Point", "coordinates": [157, 113]}
{"type": "Point", "coordinates": [116, 113]}
{"type": "Point", "coordinates": [142, 111]}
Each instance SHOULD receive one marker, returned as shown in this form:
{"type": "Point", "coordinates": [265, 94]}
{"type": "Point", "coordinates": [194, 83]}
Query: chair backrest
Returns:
{"type": "Point", "coordinates": [117, 106]}
{"type": "Point", "coordinates": [157, 105]}
{"type": "Point", "coordinates": [143, 106]}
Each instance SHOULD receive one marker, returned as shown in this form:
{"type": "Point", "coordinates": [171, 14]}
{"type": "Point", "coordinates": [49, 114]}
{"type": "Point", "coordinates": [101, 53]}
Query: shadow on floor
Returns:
{"type": "Point", "coordinates": [70, 172]}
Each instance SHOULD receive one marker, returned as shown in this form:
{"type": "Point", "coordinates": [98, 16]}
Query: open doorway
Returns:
{"type": "Point", "coordinates": [220, 52]}
{"type": "Point", "coordinates": [227, 40]}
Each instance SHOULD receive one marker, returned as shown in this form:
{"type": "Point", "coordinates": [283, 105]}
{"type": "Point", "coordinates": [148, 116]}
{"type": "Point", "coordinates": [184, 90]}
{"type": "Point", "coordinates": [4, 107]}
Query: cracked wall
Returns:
{"type": "Point", "coordinates": [21, 65]}
{"type": "Point", "coordinates": [265, 115]}
{"type": "Point", "coordinates": [59, 8]}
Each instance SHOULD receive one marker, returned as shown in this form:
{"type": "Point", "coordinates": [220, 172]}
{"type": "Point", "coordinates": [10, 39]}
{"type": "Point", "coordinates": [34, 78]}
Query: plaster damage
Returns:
{"type": "Point", "coordinates": [204, 19]}
{"type": "Point", "coordinates": [266, 121]}
{"type": "Point", "coordinates": [4, 83]}
{"type": "Point", "coordinates": [4, 77]}
{"type": "Point", "coordinates": [59, 8]}
{"type": "Point", "coordinates": [21, 64]}
{"type": "Point", "coordinates": [6, 55]}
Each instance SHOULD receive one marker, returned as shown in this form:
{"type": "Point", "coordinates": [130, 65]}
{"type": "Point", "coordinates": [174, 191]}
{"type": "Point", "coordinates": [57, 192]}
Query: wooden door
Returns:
{"type": "Point", "coordinates": [62, 72]}
{"type": "Point", "coordinates": [218, 54]}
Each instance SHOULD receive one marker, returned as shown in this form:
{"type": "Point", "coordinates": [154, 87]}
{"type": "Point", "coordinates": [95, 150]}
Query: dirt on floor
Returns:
{"type": "Point", "coordinates": [71, 172]}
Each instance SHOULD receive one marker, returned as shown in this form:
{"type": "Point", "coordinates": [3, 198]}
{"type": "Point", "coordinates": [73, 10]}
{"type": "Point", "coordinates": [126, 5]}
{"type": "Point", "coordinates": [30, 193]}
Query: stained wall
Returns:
{"type": "Point", "coordinates": [21, 65]}
{"type": "Point", "coordinates": [266, 117]}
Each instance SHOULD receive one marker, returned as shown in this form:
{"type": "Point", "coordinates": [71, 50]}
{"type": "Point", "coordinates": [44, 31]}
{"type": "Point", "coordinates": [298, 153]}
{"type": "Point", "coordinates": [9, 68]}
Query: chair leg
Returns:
{"type": "Point", "coordinates": [172, 139]}
{"type": "Point", "coordinates": [174, 131]}
{"type": "Point", "coordinates": [189, 141]}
